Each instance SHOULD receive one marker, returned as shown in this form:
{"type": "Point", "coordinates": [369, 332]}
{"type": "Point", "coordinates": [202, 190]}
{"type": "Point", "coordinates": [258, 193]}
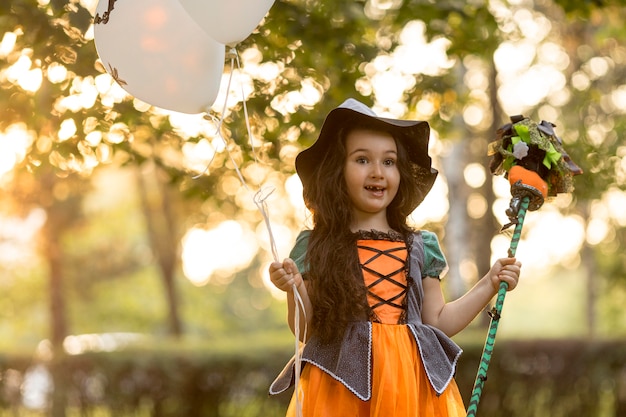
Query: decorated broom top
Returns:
{"type": "Point", "coordinates": [532, 157]}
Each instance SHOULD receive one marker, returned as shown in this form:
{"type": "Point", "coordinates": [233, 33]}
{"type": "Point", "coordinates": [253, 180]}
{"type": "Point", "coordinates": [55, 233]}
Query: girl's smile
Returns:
{"type": "Point", "coordinates": [372, 176]}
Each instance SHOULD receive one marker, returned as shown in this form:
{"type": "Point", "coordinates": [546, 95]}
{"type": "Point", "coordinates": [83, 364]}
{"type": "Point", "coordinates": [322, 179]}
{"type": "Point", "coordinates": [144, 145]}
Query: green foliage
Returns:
{"type": "Point", "coordinates": [230, 377]}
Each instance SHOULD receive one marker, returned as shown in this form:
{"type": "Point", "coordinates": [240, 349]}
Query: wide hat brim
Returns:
{"type": "Point", "coordinates": [414, 135]}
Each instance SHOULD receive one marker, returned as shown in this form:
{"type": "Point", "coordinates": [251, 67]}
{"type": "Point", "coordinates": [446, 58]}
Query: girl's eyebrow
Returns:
{"type": "Point", "coordinates": [357, 151]}
{"type": "Point", "coordinates": [390, 151]}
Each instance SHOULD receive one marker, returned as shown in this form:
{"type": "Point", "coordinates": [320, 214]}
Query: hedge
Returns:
{"type": "Point", "coordinates": [525, 379]}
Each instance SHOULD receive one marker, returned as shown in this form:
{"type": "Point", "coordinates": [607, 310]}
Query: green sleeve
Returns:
{"type": "Point", "coordinates": [435, 264]}
{"type": "Point", "coordinates": [298, 253]}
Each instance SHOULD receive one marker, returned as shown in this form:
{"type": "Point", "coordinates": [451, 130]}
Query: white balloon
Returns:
{"type": "Point", "coordinates": [227, 21]}
{"type": "Point", "coordinates": [158, 54]}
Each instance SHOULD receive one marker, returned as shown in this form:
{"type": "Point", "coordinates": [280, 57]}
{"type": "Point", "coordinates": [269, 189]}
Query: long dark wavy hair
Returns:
{"type": "Point", "coordinates": [338, 293]}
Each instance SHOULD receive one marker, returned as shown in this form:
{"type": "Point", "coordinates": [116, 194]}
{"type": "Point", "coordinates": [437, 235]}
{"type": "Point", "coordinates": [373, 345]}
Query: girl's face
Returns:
{"type": "Point", "coordinates": [371, 172]}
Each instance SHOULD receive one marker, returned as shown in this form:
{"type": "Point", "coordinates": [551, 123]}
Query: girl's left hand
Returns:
{"type": "Point", "coordinates": [505, 269]}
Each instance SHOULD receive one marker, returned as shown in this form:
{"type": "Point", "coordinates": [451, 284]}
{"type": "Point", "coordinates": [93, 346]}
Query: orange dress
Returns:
{"type": "Point", "coordinates": [399, 384]}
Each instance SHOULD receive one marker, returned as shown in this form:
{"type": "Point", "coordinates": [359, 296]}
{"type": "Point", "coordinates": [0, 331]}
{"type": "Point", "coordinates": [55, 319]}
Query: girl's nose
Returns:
{"type": "Point", "coordinates": [376, 171]}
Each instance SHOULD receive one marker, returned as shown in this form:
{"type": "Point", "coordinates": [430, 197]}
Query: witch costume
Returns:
{"type": "Point", "coordinates": [389, 363]}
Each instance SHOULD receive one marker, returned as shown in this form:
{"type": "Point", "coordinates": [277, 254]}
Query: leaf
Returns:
{"type": "Point", "coordinates": [552, 157]}
{"type": "Point", "coordinates": [508, 163]}
{"type": "Point", "coordinates": [523, 132]}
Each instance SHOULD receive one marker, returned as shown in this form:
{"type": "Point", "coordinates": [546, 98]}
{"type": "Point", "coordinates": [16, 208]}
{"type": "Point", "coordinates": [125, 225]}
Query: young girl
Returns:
{"type": "Point", "coordinates": [378, 328]}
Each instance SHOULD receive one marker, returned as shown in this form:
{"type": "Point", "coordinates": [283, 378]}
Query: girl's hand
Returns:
{"type": "Point", "coordinates": [285, 275]}
{"type": "Point", "coordinates": [505, 269]}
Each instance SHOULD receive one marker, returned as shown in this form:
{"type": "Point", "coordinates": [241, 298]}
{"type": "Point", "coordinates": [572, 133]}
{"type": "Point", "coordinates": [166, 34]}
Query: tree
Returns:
{"type": "Point", "coordinates": [52, 64]}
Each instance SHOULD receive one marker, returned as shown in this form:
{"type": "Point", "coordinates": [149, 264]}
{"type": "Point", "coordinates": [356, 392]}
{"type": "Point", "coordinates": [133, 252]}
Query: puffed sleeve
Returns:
{"type": "Point", "coordinates": [435, 264]}
{"type": "Point", "coordinates": [298, 253]}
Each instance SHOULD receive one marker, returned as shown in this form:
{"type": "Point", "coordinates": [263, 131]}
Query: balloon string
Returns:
{"type": "Point", "coordinates": [220, 122]}
{"type": "Point", "coordinates": [298, 395]}
{"type": "Point", "coordinates": [206, 169]}
{"type": "Point", "coordinates": [261, 203]}
{"type": "Point", "coordinates": [260, 200]}
{"type": "Point", "coordinates": [245, 107]}
{"type": "Point", "coordinates": [261, 195]}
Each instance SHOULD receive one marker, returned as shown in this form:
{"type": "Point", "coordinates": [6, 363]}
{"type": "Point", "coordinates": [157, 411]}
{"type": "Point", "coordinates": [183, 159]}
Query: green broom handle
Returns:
{"type": "Point", "coordinates": [495, 316]}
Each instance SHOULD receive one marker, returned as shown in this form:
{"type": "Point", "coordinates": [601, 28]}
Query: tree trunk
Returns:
{"type": "Point", "coordinates": [52, 251]}
{"type": "Point", "coordinates": [53, 255]}
{"type": "Point", "coordinates": [588, 262]}
{"type": "Point", "coordinates": [161, 225]}
{"type": "Point", "coordinates": [457, 223]}
{"type": "Point", "coordinates": [487, 226]}
{"type": "Point", "coordinates": [456, 227]}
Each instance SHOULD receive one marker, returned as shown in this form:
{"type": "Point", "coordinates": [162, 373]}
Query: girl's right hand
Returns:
{"type": "Point", "coordinates": [285, 275]}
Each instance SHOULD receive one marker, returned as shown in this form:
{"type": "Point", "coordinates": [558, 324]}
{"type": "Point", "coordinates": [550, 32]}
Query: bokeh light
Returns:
{"type": "Point", "coordinates": [228, 247]}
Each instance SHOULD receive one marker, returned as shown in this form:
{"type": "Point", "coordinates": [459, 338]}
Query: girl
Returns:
{"type": "Point", "coordinates": [379, 326]}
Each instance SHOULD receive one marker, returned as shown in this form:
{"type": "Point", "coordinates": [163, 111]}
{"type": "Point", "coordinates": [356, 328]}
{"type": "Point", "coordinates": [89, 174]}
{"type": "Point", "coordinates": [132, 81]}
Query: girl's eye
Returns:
{"type": "Point", "coordinates": [390, 162]}
{"type": "Point", "coordinates": [361, 160]}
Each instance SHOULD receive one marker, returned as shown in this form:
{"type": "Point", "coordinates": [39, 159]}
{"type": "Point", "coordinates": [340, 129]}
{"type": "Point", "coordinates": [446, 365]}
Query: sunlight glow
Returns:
{"type": "Point", "coordinates": [476, 206]}
{"type": "Point", "coordinates": [530, 88]}
{"type": "Point", "coordinates": [23, 74]}
{"type": "Point", "coordinates": [615, 201]}
{"type": "Point", "coordinates": [514, 57]}
{"type": "Point", "coordinates": [530, 68]}
{"type": "Point", "coordinates": [293, 186]}
{"type": "Point", "coordinates": [425, 107]}
{"type": "Point", "coordinates": [475, 175]}
{"type": "Point", "coordinates": [18, 236]}
{"type": "Point", "coordinates": [31, 80]}
{"type": "Point", "coordinates": [14, 144]}
{"type": "Point", "coordinates": [192, 125]}
{"type": "Point", "coordinates": [67, 129]}
{"type": "Point", "coordinates": [597, 67]}
{"type": "Point", "coordinates": [597, 230]}
{"type": "Point", "coordinates": [532, 25]}
{"type": "Point", "coordinates": [283, 235]}
{"type": "Point", "coordinates": [225, 249]}
{"type": "Point", "coordinates": [198, 156]}
{"type": "Point", "coordinates": [252, 62]}
{"type": "Point", "coordinates": [415, 55]}
{"type": "Point", "coordinates": [310, 93]}
{"type": "Point", "coordinates": [389, 87]}
{"type": "Point", "coordinates": [580, 81]}
{"type": "Point", "coordinates": [469, 271]}
{"type": "Point", "coordinates": [618, 97]}
{"type": "Point", "coordinates": [560, 235]}
{"type": "Point", "coordinates": [473, 115]}
{"type": "Point", "coordinates": [435, 206]}
{"type": "Point", "coordinates": [19, 67]}
{"type": "Point", "coordinates": [92, 140]}
{"type": "Point", "coordinates": [83, 95]}
{"type": "Point", "coordinates": [56, 73]}
{"type": "Point", "coordinates": [118, 133]}
{"type": "Point", "coordinates": [99, 342]}
{"type": "Point", "coordinates": [389, 77]}
{"type": "Point", "coordinates": [8, 44]}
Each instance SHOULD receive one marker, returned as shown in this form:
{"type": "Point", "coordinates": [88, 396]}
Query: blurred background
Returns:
{"type": "Point", "coordinates": [133, 255]}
